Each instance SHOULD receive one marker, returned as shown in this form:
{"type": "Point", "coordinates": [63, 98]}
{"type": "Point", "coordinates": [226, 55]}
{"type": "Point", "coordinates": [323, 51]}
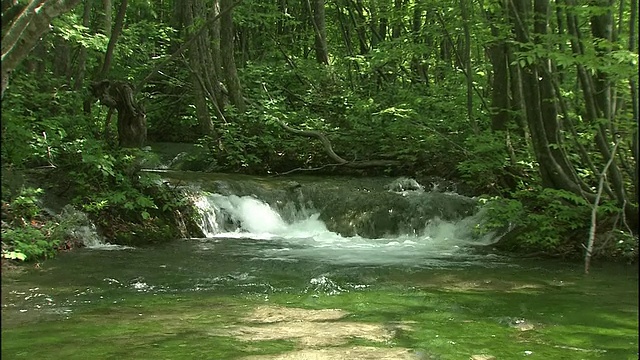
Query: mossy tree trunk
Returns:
{"type": "Point", "coordinates": [132, 123]}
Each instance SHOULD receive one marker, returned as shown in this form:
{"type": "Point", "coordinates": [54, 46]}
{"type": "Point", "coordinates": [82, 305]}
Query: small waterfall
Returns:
{"type": "Point", "coordinates": [232, 215]}
{"type": "Point", "coordinates": [400, 209]}
{"type": "Point", "coordinates": [207, 219]}
{"type": "Point", "coordinates": [78, 226]}
{"type": "Point", "coordinates": [304, 236]}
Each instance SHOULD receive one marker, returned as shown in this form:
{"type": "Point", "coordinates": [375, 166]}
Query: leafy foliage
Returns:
{"type": "Point", "coordinates": [548, 220]}
{"type": "Point", "coordinates": [24, 234]}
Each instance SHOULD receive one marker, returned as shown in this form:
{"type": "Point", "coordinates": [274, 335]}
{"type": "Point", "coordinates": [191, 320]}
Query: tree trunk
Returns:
{"type": "Point", "coordinates": [500, 104]}
{"type": "Point", "coordinates": [24, 29]}
{"type": "Point", "coordinates": [205, 26]}
{"type": "Point", "coordinates": [358, 20]}
{"type": "Point", "coordinates": [198, 59]}
{"type": "Point", "coordinates": [418, 65]}
{"type": "Point", "coordinates": [466, 60]}
{"type": "Point", "coordinates": [597, 98]}
{"type": "Point", "coordinates": [82, 56]}
{"type": "Point", "coordinates": [132, 123]}
{"type": "Point", "coordinates": [396, 30]}
{"type": "Point", "coordinates": [319, 28]}
{"type": "Point", "coordinates": [115, 35]}
{"type": "Point", "coordinates": [346, 28]}
{"type": "Point", "coordinates": [633, 18]}
{"type": "Point", "coordinates": [540, 103]}
{"type": "Point", "coordinates": [228, 59]}
{"type": "Point", "coordinates": [61, 60]}
{"type": "Point", "coordinates": [107, 19]}
{"type": "Point", "coordinates": [216, 59]}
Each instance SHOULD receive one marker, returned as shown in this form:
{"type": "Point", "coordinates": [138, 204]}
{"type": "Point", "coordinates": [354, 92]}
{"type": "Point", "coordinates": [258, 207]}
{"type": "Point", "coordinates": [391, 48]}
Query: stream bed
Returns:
{"type": "Point", "coordinates": [222, 299]}
{"type": "Point", "coordinates": [273, 281]}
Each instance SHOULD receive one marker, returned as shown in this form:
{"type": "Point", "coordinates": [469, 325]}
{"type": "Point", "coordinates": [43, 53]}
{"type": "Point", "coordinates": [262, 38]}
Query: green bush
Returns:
{"type": "Point", "coordinates": [25, 236]}
{"type": "Point", "coordinates": [24, 207]}
{"type": "Point", "coordinates": [553, 220]}
{"type": "Point", "coordinates": [30, 242]}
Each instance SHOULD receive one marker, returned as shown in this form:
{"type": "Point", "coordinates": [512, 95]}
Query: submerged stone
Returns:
{"type": "Point", "coordinates": [404, 184]}
{"type": "Point", "coordinates": [482, 357]}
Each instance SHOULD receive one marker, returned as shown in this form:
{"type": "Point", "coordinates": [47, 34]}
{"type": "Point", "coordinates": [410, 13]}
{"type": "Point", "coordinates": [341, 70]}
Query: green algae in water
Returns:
{"type": "Point", "coordinates": [148, 327]}
{"type": "Point", "coordinates": [177, 302]}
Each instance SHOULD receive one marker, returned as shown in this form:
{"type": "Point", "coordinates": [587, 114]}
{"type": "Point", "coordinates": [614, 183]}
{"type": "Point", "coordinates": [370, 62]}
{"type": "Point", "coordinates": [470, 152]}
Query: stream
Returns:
{"type": "Point", "coordinates": [318, 268]}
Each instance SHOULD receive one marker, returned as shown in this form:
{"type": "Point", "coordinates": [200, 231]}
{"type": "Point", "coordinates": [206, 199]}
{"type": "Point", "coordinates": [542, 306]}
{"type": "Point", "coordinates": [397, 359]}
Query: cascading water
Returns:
{"type": "Point", "coordinates": [81, 228]}
{"type": "Point", "coordinates": [296, 231]}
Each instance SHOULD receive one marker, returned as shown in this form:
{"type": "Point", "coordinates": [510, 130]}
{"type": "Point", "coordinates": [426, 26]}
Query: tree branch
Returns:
{"type": "Point", "coordinates": [326, 144]}
{"type": "Point", "coordinates": [594, 209]}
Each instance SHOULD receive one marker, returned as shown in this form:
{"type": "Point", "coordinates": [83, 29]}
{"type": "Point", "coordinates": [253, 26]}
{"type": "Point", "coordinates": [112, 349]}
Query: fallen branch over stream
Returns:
{"type": "Point", "coordinates": [326, 144]}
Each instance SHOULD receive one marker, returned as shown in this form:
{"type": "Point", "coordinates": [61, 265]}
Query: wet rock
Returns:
{"type": "Point", "coordinates": [293, 185]}
{"type": "Point", "coordinates": [517, 323]}
{"type": "Point", "coordinates": [340, 353]}
{"type": "Point", "coordinates": [316, 329]}
{"type": "Point", "coordinates": [523, 326]}
{"type": "Point", "coordinates": [482, 357]}
{"type": "Point", "coordinates": [222, 187]}
{"type": "Point", "coordinates": [425, 355]}
{"type": "Point", "coordinates": [404, 184]}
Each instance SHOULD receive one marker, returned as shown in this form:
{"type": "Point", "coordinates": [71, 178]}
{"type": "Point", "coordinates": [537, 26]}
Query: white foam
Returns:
{"type": "Point", "coordinates": [308, 237]}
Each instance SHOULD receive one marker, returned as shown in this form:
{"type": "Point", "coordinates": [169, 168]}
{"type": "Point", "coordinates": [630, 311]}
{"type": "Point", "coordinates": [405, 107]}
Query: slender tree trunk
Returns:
{"type": "Point", "coordinates": [633, 21]}
{"type": "Point", "coordinates": [283, 8]}
{"type": "Point", "coordinates": [62, 59]}
{"type": "Point", "coordinates": [205, 26]}
{"type": "Point", "coordinates": [318, 19]}
{"type": "Point", "coordinates": [345, 27]}
{"type": "Point", "coordinates": [228, 58]}
{"type": "Point", "coordinates": [517, 97]}
{"type": "Point", "coordinates": [500, 104]}
{"type": "Point", "coordinates": [561, 32]}
{"type": "Point", "coordinates": [187, 12]}
{"type": "Point", "coordinates": [374, 21]}
{"type": "Point", "coordinates": [396, 30]}
{"type": "Point", "coordinates": [107, 19]}
{"type": "Point", "coordinates": [82, 56]}
{"type": "Point", "coordinates": [466, 59]}
{"type": "Point", "coordinates": [215, 74]}
{"type": "Point", "coordinates": [597, 97]}
{"type": "Point", "coordinates": [540, 102]}
{"type": "Point", "coordinates": [498, 53]}
{"type": "Point", "coordinates": [358, 20]}
{"type": "Point", "coordinates": [418, 66]}
{"type": "Point", "coordinates": [115, 35]}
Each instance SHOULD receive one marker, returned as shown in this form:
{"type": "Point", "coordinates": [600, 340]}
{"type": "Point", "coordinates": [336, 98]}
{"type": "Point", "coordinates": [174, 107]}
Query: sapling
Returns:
{"type": "Point", "coordinates": [594, 209]}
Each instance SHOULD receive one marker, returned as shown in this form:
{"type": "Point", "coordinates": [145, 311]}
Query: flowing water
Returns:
{"type": "Point", "coordinates": [318, 269]}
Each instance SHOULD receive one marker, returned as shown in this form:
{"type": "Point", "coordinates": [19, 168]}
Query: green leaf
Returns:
{"type": "Point", "coordinates": [14, 255]}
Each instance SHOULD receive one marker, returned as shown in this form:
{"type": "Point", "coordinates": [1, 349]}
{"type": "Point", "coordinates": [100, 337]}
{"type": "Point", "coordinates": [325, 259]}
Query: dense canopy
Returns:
{"type": "Point", "coordinates": [532, 104]}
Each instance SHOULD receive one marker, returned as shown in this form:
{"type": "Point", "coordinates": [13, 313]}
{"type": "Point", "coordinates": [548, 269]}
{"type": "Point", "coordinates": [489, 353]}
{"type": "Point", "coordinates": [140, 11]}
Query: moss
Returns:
{"type": "Point", "coordinates": [164, 302]}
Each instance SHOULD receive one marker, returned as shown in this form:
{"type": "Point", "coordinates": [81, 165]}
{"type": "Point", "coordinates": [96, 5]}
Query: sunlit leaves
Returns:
{"type": "Point", "coordinates": [69, 28]}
